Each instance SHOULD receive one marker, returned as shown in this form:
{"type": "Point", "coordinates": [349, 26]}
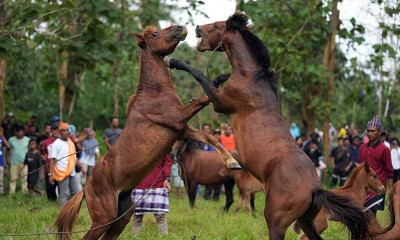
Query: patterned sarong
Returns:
{"type": "Point", "coordinates": [155, 201]}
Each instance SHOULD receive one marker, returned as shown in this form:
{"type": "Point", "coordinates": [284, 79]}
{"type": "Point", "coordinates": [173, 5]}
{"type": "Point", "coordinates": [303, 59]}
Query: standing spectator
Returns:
{"type": "Point", "coordinates": [56, 119]}
{"type": "Point", "coordinates": [9, 124]}
{"type": "Point", "coordinates": [3, 143]}
{"type": "Point", "coordinates": [90, 153]}
{"type": "Point", "coordinates": [294, 130]}
{"type": "Point", "coordinates": [341, 159]}
{"type": "Point", "coordinates": [31, 126]}
{"type": "Point", "coordinates": [378, 157]}
{"type": "Point", "coordinates": [207, 129]}
{"type": "Point", "coordinates": [214, 190]}
{"type": "Point", "coordinates": [110, 133]}
{"type": "Point", "coordinates": [62, 168]}
{"type": "Point", "coordinates": [313, 149]}
{"type": "Point", "coordinates": [153, 191]}
{"type": "Point", "coordinates": [383, 139]}
{"type": "Point", "coordinates": [18, 149]}
{"type": "Point", "coordinates": [34, 163]}
{"type": "Point", "coordinates": [228, 139]}
{"type": "Point", "coordinates": [46, 133]}
{"type": "Point", "coordinates": [46, 148]}
{"type": "Point", "coordinates": [395, 156]}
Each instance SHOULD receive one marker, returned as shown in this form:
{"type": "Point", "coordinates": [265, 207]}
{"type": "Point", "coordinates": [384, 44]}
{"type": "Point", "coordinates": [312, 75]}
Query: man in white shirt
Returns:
{"type": "Point", "coordinates": [62, 169]}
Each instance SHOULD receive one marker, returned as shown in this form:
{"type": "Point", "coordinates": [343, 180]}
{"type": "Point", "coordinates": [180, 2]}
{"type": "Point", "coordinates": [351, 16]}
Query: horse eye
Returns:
{"type": "Point", "coordinates": [155, 34]}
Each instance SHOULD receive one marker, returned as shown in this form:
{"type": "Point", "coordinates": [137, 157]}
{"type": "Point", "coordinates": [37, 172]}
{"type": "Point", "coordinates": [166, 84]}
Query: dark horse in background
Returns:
{"type": "Point", "coordinates": [202, 167]}
{"type": "Point", "coordinates": [156, 118]}
{"type": "Point", "coordinates": [266, 148]}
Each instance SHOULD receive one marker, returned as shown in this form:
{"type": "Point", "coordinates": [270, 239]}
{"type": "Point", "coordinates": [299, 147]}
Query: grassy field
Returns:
{"type": "Point", "coordinates": [22, 215]}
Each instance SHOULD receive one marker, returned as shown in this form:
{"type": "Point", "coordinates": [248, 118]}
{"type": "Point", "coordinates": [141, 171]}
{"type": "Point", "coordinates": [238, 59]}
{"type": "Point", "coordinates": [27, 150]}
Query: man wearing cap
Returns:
{"type": "Point", "coordinates": [45, 149]}
{"type": "Point", "coordinates": [18, 149]}
{"type": "Point", "coordinates": [62, 169]}
{"type": "Point", "coordinates": [378, 157]}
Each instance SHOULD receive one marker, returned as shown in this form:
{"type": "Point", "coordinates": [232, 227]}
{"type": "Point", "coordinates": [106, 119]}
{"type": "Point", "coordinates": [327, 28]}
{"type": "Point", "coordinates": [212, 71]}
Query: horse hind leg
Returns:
{"type": "Point", "coordinates": [200, 136]}
{"type": "Point", "coordinates": [103, 210]}
{"type": "Point", "coordinates": [125, 208]}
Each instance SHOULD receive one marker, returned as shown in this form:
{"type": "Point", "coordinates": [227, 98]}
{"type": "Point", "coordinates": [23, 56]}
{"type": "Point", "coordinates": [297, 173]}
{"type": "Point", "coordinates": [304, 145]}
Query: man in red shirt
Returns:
{"type": "Point", "coordinates": [378, 157]}
{"type": "Point", "coordinates": [45, 148]}
{"type": "Point", "coordinates": [151, 197]}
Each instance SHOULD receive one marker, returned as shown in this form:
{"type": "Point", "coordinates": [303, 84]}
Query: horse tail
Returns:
{"type": "Point", "coordinates": [68, 215]}
{"type": "Point", "coordinates": [343, 210]}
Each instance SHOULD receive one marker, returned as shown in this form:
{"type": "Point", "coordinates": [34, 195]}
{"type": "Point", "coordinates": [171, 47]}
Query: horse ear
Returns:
{"type": "Point", "coordinates": [140, 40]}
{"type": "Point", "coordinates": [366, 166]}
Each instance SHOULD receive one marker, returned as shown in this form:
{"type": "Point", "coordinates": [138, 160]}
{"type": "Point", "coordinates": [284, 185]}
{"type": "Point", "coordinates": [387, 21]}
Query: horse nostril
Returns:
{"type": "Point", "coordinates": [179, 27]}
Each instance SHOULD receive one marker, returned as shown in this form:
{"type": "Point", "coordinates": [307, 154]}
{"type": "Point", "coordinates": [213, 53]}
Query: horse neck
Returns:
{"type": "Point", "coordinates": [358, 187]}
{"type": "Point", "coordinates": [245, 65]}
{"type": "Point", "coordinates": [242, 61]}
{"type": "Point", "coordinates": [153, 73]}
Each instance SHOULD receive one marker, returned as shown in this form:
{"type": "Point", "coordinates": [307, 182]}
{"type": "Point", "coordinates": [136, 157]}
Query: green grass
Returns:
{"type": "Point", "coordinates": [22, 215]}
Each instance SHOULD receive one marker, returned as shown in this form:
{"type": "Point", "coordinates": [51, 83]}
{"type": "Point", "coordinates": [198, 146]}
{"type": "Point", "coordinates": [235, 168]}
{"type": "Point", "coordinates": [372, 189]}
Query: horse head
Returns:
{"type": "Point", "coordinates": [210, 35]}
{"type": "Point", "coordinates": [372, 180]}
{"type": "Point", "coordinates": [161, 42]}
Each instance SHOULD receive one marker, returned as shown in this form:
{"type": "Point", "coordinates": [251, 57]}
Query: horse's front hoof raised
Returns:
{"type": "Point", "coordinates": [233, 166]}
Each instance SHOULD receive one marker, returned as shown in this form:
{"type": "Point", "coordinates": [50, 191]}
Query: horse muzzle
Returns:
{"type": "Point", "coordinates": [179, 33]}
{"type": "Point", "coordinates": [381, 191]}
{"type": "Point", "coordinates": [201, 39]}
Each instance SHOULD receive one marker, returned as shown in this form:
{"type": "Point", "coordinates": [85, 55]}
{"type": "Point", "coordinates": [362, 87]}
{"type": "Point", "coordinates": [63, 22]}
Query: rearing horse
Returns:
{"type": "Point", "coordinates": [266, 148]}
{"type": "Point", "coordinates": [156, 118]}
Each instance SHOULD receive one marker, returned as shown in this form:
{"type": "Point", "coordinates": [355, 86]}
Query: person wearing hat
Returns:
{"type": "Point", "coordinates": [62, 169]}
{"type": "Point", "coordinates": [378, 156]}
{"type": "Point", "coordinates": [45, 149]}
{"type": "Point", "coordinates": [18, 149]}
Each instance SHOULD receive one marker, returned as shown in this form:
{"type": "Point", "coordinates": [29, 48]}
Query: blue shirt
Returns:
{"type": "Point", "coordinates": [2, 144]}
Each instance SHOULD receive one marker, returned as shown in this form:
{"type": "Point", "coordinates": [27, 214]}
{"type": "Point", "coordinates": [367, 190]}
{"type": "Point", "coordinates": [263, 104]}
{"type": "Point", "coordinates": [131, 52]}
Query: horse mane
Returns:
{"type": "Point", "coordinates": [353, 176]}
{"type": "Point", "coordinates": [239, 22]}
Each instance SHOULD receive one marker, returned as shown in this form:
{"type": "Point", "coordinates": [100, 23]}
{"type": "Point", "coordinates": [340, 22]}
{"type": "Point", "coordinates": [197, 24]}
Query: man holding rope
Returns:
{"type": "Point", "coordinates": [62, 168]}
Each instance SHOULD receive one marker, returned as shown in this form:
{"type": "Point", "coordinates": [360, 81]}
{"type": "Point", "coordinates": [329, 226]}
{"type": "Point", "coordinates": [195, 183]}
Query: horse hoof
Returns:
{"type": "Point", "coordinates": [233, 166]}
{"type": "Point", "coordinates": [167, 59]}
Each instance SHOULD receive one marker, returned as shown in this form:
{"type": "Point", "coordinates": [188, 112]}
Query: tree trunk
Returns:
{"type": "Point", "coordinates": [62, 73]}
{"type": "Point", "coordinates": [3, 62]}
{"type": "Point", "coordinates": [329, 61]}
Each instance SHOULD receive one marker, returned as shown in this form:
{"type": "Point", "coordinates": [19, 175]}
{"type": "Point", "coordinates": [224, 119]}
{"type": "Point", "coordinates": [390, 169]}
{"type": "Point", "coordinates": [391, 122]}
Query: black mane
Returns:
{"type": "Point", "coordinates": [239, 21]}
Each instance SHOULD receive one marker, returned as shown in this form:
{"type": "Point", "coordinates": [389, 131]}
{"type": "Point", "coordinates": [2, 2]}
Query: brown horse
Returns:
{"type": "Point", "coordinates": [247, 184]}
{"type": "Point", "coordinates": [361, 180]}
{"type": "Point", "coordinates": [156, 118]}
{"type": "Point", "coordinates": [392, 231]}
{"type": "Point", "coordinates": [201, 167]}
{"type": "Point", "coordinates": [266, 148]}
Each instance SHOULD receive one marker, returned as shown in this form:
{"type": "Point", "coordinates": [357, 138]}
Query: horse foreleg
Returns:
{"type": "Point", "coordinates": [229, 193]}
{"type": "Point", "coordinates": [220, 79]}
{"type": "Point", "coordinates": [200, 136]}
{"type": "Point", "coordinates": [125, 208]}
{"type": "Point", "coordinates": [240, 201]}
{"type": "Point", "coordinates": [209, 88]}
{"type": "Point", "coordinates": [192, 191]}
